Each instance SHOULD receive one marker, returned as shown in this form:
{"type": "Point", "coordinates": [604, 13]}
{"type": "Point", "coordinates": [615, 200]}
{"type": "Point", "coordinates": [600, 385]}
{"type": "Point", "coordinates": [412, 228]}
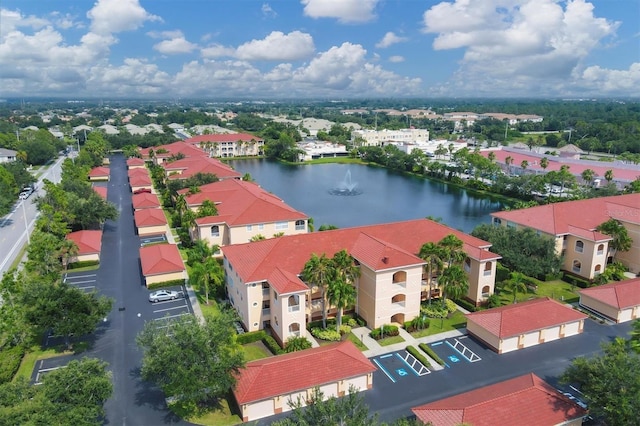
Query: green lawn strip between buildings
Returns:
{"type": "Point", "coordinates": [436, 325]}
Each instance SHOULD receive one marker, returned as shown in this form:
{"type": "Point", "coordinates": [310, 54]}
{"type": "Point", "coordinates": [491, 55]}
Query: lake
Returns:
{"type": "Point", "coordinates": [382, 196]}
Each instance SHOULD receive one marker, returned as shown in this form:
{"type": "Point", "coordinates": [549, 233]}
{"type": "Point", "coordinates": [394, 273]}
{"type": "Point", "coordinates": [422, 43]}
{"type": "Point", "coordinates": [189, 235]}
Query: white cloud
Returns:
{"type": "Point", "coordinates": [389, 39]}
{"type": "Point", "coordinates": [396, 59]}
{"type": "Point", "coordinates": [516, 45]}
{"type": "Point", "coordinates": [217, 51]}
{"type": "Point", "coordinates": [267, 11]}
{"type": "Point", "coordinates": [114, 16]}
{"type": "Point", "coordinates": [174, 44]}
{"type": "Point", "coordinates": [134, 76]}
{"type": "Point", "coordinates": [345, 11]}
{"type": "Point", "coordinates": [11, 20]}
{"type": "Point", "coordinates": [277, 46]}
{"type": "Point", "coordinates": [619, 82]}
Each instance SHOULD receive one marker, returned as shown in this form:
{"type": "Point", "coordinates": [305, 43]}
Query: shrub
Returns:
{"type": "Point", "coordinates": [83, 264]}
{"type": "Point", "coordinates": [165, 284]}
{"type": "Point", "coordinates": [250, 337]}
{"type": "Point", "coordinates": [329, 334]}
{"type": "Point", "coordinates": [435, 310]}
{"type": "Point", "coordinates": [10, 359]}
{"type": "Point", "coordinates": [297, 343]}
{"type": "Point", "coordinates": [345, 329]}
{"type": "Point", "coordinates": [502, 273]}
{"type": "Point", "coordinates": [413, 351]}
{"type": "Point", "coordinates": [573, 280]}
{"type": "Point", "coordinates": [431, 353]}
{"type": "Point", "coordinates": [352, 323]}
{"type": "Point", "coordinates": [272, 345]}
{"type": "Point", "coordinates": [451, 306]}
{"type": "Point", "coordinates": [467, 305]}
{"type": "Point", "coordinates": [384, 331]}
{"type": "Point", "coordinates": [418, 323]}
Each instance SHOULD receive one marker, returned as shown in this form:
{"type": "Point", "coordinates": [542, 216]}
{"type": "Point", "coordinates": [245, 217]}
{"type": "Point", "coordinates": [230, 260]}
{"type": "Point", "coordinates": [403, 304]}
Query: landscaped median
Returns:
{"type": "Point", "coordinates": [431, 353]}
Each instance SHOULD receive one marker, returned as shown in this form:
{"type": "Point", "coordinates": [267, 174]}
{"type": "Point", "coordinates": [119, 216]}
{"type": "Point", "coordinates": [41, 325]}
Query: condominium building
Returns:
{"type": "Point", "coordinates": [264, 285]}
{"type": "Point", "coordinates": [379, 137]}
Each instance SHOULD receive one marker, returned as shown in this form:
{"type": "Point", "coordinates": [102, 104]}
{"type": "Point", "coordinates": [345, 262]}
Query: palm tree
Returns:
{"type": "Point", "coordinates": [432, 254]}
{"type": "Point", "coordinates": [452, 249]}
{"type": "Point", "coordinates": [341, 294]}
{"type": "Point", "coordinates": [200, 252]}
{"type": "Point", "coordinates": [492, 156]}
{"type": "Point", "coordinates": [516, 284]}
{"type": "Point", "coordinates": [621, 240]}
{"type": "Point", "coordinates": [509, 161]}
{"type": "Point", "coordinates": [68, 251]}
{"type": "Point", "coordinates": [587, 176]}
{"type": "Point", "coordinates": [207, 274]}
{"type": "Point", "coordinates": [318, 271]}
{"type": "Point", "coordinates": [544, 163]}
{"type": "Point", "coordinates": [524, 164]}
{"type": "Point", "coordinates": [608, 175]}
{"type": "Point", "coordinates": [455, 283]}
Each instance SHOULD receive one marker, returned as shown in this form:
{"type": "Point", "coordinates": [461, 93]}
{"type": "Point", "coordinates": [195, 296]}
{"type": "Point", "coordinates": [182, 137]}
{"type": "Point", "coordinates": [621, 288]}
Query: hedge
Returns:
{"type": "Point", "coordinates": [272, 345]}
{"type": "Point", "coordinates": [10, 362]}
{"type": "Point", "coordinates": [467, 305]}
{"type": "Point", "coordinates": [250, 337]}
{"type": "Point", "coordinates": [431, 353]}
{"type": "Point", "coordinates": [83, 264]}
{"type": "Point", "coordinates": [329, 334]}
{"type": "Point", "coordinates": [502, 273]}
{"type": "Point", "coordinates": [389, 330]}
{"type": "Point", "coordinates": [413, 351]}
{"type": "Point", "coordinates": [165, 284]}
{"type": "Point", "coordinates": [573, 280]}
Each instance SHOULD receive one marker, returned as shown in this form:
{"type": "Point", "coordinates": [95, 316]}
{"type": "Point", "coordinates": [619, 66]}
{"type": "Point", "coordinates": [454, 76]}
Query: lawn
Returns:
{"type": "Point", "coordinates": [556, 289]}
{"type": "Point", "coordinates": [356, 341]}
{"type": "Point", "coordinates": [455, 321]}
{"type": "Point", "coordinates": [221, 416]}
{"type": "Point", "coordinates": [30, 358]}
{"type": "Point", "coordinates": [390, 340]}
{"type": "Point", "coordinates": [255, 350]}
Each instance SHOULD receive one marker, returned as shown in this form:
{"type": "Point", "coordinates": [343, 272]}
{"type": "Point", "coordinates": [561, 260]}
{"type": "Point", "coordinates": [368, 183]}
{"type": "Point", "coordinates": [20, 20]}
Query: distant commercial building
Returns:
{"type": "Point", "coordinates": [380, 137]}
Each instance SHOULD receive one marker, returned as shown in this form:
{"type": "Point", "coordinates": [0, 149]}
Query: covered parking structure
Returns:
{"type": "Point", "coordinates": [619, 301]}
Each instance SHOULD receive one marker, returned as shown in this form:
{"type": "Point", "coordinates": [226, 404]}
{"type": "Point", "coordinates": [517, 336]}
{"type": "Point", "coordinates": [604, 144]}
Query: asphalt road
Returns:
{"type": "Point", "coordinates": [134, 401]}
{"type": "Point", "coordinates": [23, 215]}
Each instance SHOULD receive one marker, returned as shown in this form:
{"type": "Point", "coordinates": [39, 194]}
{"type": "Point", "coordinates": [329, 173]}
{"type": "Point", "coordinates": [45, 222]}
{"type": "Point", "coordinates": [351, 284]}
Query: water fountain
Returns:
{"type": "Point", "coordinates": [346, 186]}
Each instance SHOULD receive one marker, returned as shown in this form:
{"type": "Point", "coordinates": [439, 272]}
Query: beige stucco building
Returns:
{"type": "Point", "coordinates": [161, 263]}
{"type": "Point", "coordinates": [619, 301]}
{"type": "Point", "coordinates": [264, 285]}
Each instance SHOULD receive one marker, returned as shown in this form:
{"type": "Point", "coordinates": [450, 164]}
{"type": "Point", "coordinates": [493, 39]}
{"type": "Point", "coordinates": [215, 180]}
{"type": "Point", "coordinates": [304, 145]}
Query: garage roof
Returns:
{"type": "Point", "coordinates": [160, 259]}
{"type": "Point", "coordinates": [620, 295]}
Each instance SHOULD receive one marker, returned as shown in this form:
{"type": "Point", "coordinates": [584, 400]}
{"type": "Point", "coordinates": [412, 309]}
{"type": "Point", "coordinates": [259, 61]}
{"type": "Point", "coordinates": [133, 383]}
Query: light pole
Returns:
{"type": "Point", "coordinates": [26, 225]}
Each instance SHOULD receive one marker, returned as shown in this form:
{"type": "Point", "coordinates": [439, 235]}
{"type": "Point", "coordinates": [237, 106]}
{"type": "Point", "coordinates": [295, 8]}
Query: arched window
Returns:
{"type": "Point", "coordinates": [294, 303]}
{"type": "Point", "coordinates": [299, 225]}
{"type": "Point", "coordinates": [399, 277]}
{"type": "Point", "coordinates": [485, 291]}
{"type": "Point", "coordinates": [579, 246]}
{"type": "Point", "coordinates": [215, 231]}
{"type": "Point", "coordinates": [399, 298]}
{"type": "Point", "coordinates": [467, 264]}
{"type": "Point", "coordinates": [598, 269]}
{"type": "Point", "coordinates": [600, 249]}
{"type": "Point", "coordinates": [294, 329]}
{"type": "Point", "coordinates": [487, 269]}
{"type": "Point", "coordinates": [577, 266]}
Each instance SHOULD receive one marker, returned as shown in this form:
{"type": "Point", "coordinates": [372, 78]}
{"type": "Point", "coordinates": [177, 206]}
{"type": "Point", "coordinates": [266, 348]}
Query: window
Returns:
{"type": "Point", "coordinates": [294, 329]}
{"type": "Point", "coordinates": [579, 246]}
{"type": "Point", "coordinates": [577, 266]}
{"type": "Point", "coordinates": [299, 225]}
{"type": "Point", "coordinates": [485, 291]}
{"type": "Point", "coordinates": [598, 270]}
{"type": "Point", "coordinates": [497, 221]}
{"type": "Point", "coordinates": [600, 249]}
{"type": "Point", "coordinates": [467, 264]}
{"type": "Point", "coordinates": [215, 231]}
{"type": "Point", "coordinates": [261, 226]}
{"type": "Point", "coordinates": [487, 269]}
{"type": "Point", "coordinates": [266, 304]}
{"type": "Point", "coordinates": [255, 304]}
{"type": "Point", "coordinates": [399, 277]}
{"type": "Point", "coordinates": [282, 225]}
{"type": "Point", "coordinates": [249, 227]}
{"type": "Point", "coordinates": [275, 296]}
{"type": "Point", "coordinates": [255, 324]}
{"type": "Point", "coordinates": [294, 303]}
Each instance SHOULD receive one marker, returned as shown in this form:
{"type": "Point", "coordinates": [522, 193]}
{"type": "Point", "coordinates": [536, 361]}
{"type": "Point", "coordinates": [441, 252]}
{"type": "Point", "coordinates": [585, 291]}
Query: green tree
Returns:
{"type": "Point", "coordinates": [207, 208]}
{"type": "Point", "coordinates": [318, 271]}
{"type": "Point", "coordinates": [621, 239]}
{"type": "Point", "coordinates": [454, 282]}
{"type": "Point", "coordinates": [193, 363]}
{"type": "Point", "coordinates": [341, 291]}
{"type": "Point", "coordinates": [608, 175]}
{"type": "Point", "coordinates": [544, 163]}
{"type": "Point", "coordinates": [516, 284]}
{"type": "Point", "coordinates": [64, 309]}
{"type": "Point", "coordinates": [208, 275]}
{"type": "Point", "coordinates": [451, 247]}
{"type": "Point", "coordinates": [432, 254]}
{"type": "Point", "coordinates": [610, 383]}
{"type": "Point", "coordinates": [349, 410]}
{"type": "Point", "coordinates": [324, 227]}
{"type": "Point", "coordinates": [587, 176]}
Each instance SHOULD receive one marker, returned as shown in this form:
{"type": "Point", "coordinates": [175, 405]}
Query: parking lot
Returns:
{"type": "Point", "coordinates": [165, 311]}
{"type": "Point", "coordinates": [45, 366]}
{"type": "Point", "coordinates": [400, 366]}
{"type": "Point", "coordinates": [458, 351]}
{"type": "Point", "coordinates": [85, 281]}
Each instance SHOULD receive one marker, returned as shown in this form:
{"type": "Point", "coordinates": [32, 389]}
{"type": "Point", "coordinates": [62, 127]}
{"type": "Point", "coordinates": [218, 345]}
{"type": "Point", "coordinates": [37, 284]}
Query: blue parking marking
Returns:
{"type": "Point", "coordinates": [384, 370]}
{"type": "Point", "coordinates": [408, 365]}
{"type": "Point", "coordinates": [401, 372]}
{"type": "Point", "coordinates": [454, 358]}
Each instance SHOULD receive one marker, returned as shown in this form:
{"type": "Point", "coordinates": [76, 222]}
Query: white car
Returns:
{"type": "Point", "coordinates": [162, 295]}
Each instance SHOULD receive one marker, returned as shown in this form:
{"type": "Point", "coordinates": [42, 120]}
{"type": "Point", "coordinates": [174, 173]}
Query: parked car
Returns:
{"type": "Point", "coordinates": [25, 194]}
{"type": "Point", "coordinates": [162, 295]}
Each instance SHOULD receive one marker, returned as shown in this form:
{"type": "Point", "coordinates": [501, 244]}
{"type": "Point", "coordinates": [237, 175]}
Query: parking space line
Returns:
{"type": "Point", "coordinates": [471, 357]}
{"type": "Point", "coordinates": [169, 309]}
{"type": "Point", "coordinates": [170, 316]}
{"type": "Point", "coordinates": [384, 370]}
{"type": "Point", "coordinates": [81, 282]}
{"type": "Point", "coordinates": [423, 369]}
{"type": "Point", "coordinates": [45, 370]}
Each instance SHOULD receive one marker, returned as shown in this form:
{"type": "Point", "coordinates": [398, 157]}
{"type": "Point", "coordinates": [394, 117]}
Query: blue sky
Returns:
{"type": "Point", "coordinates": [327, 49]}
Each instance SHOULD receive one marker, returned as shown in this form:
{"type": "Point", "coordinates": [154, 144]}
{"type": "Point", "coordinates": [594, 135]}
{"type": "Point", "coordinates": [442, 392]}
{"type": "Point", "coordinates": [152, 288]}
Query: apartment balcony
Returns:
{"type": "Point", "coordinates": [402, 284]}
{"type": "Point", "coordinates": [294, 308]}
{"type": "Point", "coordinates": [265, 292]}
{"type": "Point", "coordinates": [266, 312]}
{"type": "Point", "coordinates": [486, 272]}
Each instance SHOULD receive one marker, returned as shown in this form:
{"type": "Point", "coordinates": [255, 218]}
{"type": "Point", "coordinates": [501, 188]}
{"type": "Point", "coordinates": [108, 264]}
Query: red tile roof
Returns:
{"type": "Point", "coordinates": [88, 242]}
{"type": "Point", "coordinates": [255, 261]}
{"type": "Point", "coordinates": [571, 216]}
{"type": "Point", "coordinates": [193, 165]}
{"type": "Point", "coordinates": [621, 295]}
{"type": "Point", "coordinates": [160, 259]}
{"type": "Point", "coordinates": [99, 172]}
{"type": "Point", "coordinates": [140, 180]}
{"type": "Point", "coordinates": [223, 137]}
{"type": "Point", "coordinates": [101, 191]}
{"type": "Point", "coordinates": [523, 400]}
{"type": "Point", "coordinates": [180, 147]}
{"type": "Point", "coordinates": [149, 217]}
{"type": "Point", "coordinates": [243, 203]}
{"type": "Point", "coordinates": [298, 371]}
{"type": "Point", "coordinates": [145, 200]}
{"type": "Point", "coordinates": [137, 172]}
{"type": "Point", "coordinates": [135, 162]}
{"type": "Point", "coordinates": [525, 317]}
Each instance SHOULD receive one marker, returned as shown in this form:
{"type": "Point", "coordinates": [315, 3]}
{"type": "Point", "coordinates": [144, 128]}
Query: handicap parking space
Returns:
{"type": "Point", "coordinates": [166, 311]}
{"type": "Point", "coordinates": [458, 351]}
{"type": "Point", "coordinates": [85, 281]}
{"type": "Point", "coordinates": [400, 366]}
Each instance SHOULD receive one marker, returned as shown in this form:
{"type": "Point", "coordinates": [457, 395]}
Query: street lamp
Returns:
{"type": "Point", "coordinates": [26, 226]}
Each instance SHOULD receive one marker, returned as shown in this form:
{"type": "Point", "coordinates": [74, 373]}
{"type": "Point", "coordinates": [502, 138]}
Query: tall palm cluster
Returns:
{"type": "Point", "coordinates": [335, 278]}
{"type": "Point", "coordinates": [444, 261]}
